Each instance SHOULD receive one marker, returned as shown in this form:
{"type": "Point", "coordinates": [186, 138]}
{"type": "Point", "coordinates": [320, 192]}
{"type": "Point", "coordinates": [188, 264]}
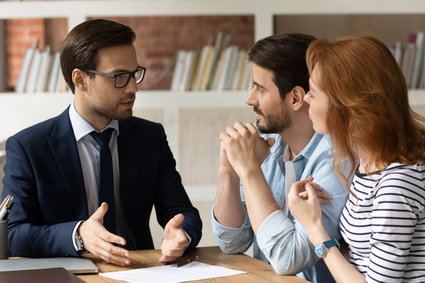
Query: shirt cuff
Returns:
{"type": "Point", "coordinates": [225, 232]}
{"type": "Point", "coordinates": [189, 238]}
{"type": "Point", "coordinates": [273, 228]}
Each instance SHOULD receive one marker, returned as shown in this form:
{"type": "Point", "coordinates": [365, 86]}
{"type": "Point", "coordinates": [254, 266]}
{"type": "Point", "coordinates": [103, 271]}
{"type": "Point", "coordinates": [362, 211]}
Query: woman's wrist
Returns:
{"type": "Point", "coordinates": [317, 234]}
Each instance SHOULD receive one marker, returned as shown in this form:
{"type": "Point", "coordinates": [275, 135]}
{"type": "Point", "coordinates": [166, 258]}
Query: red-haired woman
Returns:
{"type": "Point", "coordinates": [358, 96]}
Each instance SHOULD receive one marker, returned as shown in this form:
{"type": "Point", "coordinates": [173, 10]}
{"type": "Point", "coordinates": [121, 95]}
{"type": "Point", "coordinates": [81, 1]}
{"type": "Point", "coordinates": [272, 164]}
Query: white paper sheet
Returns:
{"type": "Point", "coordinates": [172, 273]}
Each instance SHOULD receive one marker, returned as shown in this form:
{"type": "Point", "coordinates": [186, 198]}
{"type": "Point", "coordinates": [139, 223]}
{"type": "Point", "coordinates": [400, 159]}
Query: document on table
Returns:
{"type": "Point", "coordinates": [172, 274]}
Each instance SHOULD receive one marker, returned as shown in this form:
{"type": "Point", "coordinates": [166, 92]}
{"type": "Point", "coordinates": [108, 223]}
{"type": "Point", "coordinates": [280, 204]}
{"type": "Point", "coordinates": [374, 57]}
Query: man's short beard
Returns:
{"type": "Point", "coordinates": [274, 124]}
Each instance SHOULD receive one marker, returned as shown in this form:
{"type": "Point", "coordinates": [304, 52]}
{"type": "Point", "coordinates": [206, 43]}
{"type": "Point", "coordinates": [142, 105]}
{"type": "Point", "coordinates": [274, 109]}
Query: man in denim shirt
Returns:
{"type": "Point", "coordinates": [256, 212]}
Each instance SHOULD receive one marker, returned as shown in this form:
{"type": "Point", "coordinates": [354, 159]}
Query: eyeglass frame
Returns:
{"type": "Point", "coordinates": [115, 76]}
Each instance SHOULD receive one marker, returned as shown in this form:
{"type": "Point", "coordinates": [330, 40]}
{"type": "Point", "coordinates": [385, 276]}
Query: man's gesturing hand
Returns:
{"type": "Point", "coordinates": [100, 242]}
{"type": "Point", "coordinates": [175, 241]}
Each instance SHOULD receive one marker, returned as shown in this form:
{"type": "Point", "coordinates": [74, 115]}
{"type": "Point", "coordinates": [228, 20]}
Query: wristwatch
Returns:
{"type": "Point", "coordinates": [79, 243]}
{"type": "Point", "coordinates": [321, 249]}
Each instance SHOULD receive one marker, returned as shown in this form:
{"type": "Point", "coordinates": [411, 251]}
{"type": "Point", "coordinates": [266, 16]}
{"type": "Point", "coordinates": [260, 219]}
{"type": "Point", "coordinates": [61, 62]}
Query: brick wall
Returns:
{"type": "Point", "coordinates": [20, 34]}
{"type": "Point", "coordinates": [157, 40]}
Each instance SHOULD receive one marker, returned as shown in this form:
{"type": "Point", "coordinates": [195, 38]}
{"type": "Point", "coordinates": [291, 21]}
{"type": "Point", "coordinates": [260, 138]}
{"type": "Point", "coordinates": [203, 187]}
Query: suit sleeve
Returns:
{"type": "Point", "coordinates": [171, 198]}
{"type": "Point", "coordinates": [28, 233]}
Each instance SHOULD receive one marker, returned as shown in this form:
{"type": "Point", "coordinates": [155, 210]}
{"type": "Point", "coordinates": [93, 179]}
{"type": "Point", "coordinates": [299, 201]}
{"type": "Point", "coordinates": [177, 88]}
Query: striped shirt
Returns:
{"type": "Point", "coordinates": [385, 226]}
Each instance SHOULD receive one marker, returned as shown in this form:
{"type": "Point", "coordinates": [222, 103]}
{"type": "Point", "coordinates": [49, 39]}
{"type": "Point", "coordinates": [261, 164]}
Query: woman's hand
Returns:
{"type": "Point", "coordinates": [304, 203]}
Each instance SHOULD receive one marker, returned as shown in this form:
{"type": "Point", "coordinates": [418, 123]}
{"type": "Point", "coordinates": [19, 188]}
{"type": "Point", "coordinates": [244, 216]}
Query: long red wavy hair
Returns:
{"type": "Point", "coordinates": [368, 102]}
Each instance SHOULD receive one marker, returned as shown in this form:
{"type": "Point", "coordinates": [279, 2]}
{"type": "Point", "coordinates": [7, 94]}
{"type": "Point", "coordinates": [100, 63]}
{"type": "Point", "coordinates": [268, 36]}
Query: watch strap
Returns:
{"type": "Point", "coordinates": [331, 243]}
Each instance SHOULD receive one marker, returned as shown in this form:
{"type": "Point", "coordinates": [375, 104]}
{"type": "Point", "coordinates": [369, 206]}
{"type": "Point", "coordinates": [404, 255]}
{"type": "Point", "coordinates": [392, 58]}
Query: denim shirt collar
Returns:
{"type": "Point", "coordinates": [278, 149]}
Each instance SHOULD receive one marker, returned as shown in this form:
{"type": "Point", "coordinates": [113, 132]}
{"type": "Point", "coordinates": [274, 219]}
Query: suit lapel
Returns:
{"type": "Point", "coordinates": [64, 148]}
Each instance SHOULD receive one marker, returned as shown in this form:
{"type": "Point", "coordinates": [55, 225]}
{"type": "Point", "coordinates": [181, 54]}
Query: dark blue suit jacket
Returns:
{"type": "Point", "coordinates": [43, 173]}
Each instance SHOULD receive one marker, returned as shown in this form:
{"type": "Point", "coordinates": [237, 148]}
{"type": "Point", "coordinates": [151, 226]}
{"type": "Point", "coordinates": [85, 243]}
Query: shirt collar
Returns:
{"type": "Point", "coordinates": [82, 128]}
{"type": "Point", "coordinates": [278, 149]}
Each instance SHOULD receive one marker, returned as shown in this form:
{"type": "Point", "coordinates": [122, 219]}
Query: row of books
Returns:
{"type": "Point", "coordinates": [410, 55]}
{"type": "Point", "coordinates": [40, 71]}
{"type": "Point", "coordinates": [215, 67]}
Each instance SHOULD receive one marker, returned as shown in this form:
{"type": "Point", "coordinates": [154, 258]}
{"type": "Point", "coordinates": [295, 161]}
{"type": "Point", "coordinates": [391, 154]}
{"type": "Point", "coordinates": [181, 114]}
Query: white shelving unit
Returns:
{"type": "Point", "coordinates": [36, 107]}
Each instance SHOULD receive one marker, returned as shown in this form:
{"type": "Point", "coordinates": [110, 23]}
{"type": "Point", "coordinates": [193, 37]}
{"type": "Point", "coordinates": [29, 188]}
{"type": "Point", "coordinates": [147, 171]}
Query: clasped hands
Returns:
{"type": "Point", "coordinates": [100, 242]}
{"type": "Point", "coordinates": [243, 149]}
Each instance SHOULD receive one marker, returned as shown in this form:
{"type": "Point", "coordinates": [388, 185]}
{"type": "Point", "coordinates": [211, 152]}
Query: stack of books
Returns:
{"type": "Point", "coordinates": [40, 71]}
{"type": "Point", "coordinates": [218, 66]}
{"type": "Point", "coordinates": [410, 56]}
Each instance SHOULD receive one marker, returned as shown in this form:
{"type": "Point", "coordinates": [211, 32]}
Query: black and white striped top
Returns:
{"type": "Point", "coordinates": [385, 226]}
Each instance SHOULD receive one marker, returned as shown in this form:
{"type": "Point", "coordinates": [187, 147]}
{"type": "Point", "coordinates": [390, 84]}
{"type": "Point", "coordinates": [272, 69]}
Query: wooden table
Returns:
{"type": "Point", "coordinates": [257, 271]}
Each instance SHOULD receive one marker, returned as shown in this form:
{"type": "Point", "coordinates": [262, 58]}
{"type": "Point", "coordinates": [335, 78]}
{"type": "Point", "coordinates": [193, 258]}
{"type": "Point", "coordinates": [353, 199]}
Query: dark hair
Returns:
{"type": "Point", "coordinates": [284, 55]}
{"type": "Point", "coordinates": [80, 47]}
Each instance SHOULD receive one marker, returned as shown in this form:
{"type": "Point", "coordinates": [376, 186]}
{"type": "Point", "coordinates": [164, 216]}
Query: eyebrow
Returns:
{"type": "Point", "coordinates": [257, 84]}
{"type": "Point", "coordinates": [123, 70]}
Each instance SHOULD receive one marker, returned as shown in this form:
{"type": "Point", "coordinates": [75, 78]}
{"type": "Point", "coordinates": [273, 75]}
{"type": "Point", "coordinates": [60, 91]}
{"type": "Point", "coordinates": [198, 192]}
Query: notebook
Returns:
{"type": "Point", "coordinates": [75, 265]}
{"type": "Point", "coordinates": [53, 275]}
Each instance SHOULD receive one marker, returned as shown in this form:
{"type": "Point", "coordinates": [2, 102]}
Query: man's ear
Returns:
{"type": "Point", "coordinates": [297, 98]}
{"type": "Point", "coordinates": [79, 78]}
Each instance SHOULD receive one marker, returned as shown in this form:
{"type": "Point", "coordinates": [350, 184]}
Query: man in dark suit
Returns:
{"type": "Point", "coordinates": [74, 193]}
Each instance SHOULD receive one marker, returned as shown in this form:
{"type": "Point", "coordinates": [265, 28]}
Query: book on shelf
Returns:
{"type": "Point", "coordinates": [178, 69]}
{"type": "Point", "coordinates": [240, 70]}
{"type": "Point", "coordinates": [188, 67]}
{"type": "Point", "coordinates": [418, 39]}
{"type": "Point", "coordinates": [225, 69]}
{"type": "Point", "coordinates": [407, 61]}
{"type": "Point", "coordinates": [231, 68]}
{"type": "Point", "coordinates": [220, 43]}
{"type": "Point", "coordinates": [54, 73]}
{"type": "Point", "coordinates": [40, 71]}
{"type": "Point", "coordinates": [397, 51]}
{"type": "Point", "coordinates": [410, 55]}
{"type": "Point", "coordinates": [43, 74]}
{"type": "Point", "coordinates": [62, 86]}
{"type": "Point", "coordinates": [33, 72]}
{"type": "Point", "coordinates": [204, 67]}
{"type": "Point", "coordinates": [215, 67]}
{"type": "Point", "coordinates": [26, 66]}
{"type": "Point", "coordinates": [247, 78]}
{"type": "Point", "coordinates": [205, 52]}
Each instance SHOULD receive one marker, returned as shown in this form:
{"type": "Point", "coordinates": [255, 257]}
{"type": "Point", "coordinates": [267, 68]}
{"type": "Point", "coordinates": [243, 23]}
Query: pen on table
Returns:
{"type": "Point", "coordinates": [189, 260]}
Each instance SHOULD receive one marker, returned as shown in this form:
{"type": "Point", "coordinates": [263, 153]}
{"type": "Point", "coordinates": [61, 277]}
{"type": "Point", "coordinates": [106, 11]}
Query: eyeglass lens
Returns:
{"type": "Point", "coordinates": [123, 79]}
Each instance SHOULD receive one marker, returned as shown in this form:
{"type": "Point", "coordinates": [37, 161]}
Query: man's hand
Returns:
{"type": "Point", "coordinates": [244, 147]}
{"type": "Point", "coordinates": [99, 241]}
{"type": "Point", "coordinates": [175, 240]}
{"type": "Point", "coordinates": [225, 166]}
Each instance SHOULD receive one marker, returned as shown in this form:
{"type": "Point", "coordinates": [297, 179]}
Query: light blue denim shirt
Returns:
{"type": "Point", "coordinates": [281, 240]}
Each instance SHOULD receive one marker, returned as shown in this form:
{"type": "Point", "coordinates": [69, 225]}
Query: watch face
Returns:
{"type": "Point", "coordinates": [320, 250]}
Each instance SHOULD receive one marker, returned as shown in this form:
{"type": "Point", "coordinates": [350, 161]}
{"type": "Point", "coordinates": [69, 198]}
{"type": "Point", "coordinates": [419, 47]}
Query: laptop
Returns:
{"type": "Point", "coordinates": [75, 265]}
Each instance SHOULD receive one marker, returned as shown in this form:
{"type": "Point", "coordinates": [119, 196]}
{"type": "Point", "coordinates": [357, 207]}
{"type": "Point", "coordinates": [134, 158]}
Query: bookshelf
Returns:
{"type": "Point", "coordinates": [170, 107]}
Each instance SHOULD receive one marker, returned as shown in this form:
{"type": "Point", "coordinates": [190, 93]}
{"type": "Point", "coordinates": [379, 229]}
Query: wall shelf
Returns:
{"type": "Point", "coordinates": [18, 110]}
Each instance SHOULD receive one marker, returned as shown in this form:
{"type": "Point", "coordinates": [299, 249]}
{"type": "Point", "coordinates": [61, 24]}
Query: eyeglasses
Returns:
{"type": "Point", "coordinates": [122, 79]}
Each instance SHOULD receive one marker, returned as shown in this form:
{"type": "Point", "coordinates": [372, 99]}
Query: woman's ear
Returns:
{"type": "Point", "coordinates": [79, 78]}
{"type": "Point", "coordinates": [297, 98]}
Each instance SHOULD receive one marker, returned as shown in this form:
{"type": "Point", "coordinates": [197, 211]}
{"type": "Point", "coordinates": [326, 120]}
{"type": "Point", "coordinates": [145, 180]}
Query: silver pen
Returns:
{"type": "Point", "coordinates": [189, 260]}
{"type": "Point", "coordinates": [5, 207]}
